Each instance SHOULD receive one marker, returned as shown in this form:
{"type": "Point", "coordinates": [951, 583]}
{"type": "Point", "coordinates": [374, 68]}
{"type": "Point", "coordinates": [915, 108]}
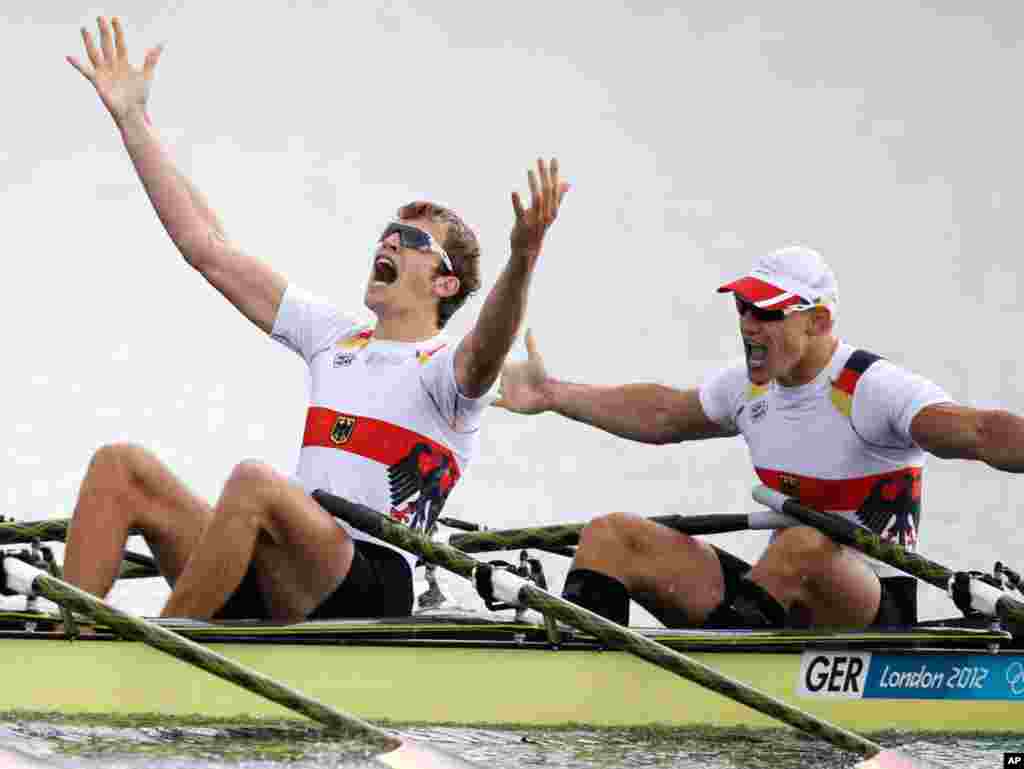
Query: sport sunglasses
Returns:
{"type": "Point", "coordinates": [414, 237]}
{"type": "Point", "coordinates": [769, 316]}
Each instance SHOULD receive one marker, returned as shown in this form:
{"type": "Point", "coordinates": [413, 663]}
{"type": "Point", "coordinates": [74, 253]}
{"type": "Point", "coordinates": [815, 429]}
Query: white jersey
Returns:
{"type": "Point", "coordinates": [840, 443]}
{"type": "Point", "coordinates": [387, 426]}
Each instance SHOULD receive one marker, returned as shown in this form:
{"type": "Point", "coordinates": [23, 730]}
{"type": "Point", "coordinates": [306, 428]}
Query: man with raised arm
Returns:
{"type": "Point", "coordinates": [838, 428]}
{"type": "Point", "coordinates": [394, 413]}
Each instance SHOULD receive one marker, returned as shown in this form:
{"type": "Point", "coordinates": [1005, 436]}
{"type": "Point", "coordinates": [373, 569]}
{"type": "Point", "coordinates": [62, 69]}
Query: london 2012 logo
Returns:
{"type": "Point", "coordinates": [1015, 679]}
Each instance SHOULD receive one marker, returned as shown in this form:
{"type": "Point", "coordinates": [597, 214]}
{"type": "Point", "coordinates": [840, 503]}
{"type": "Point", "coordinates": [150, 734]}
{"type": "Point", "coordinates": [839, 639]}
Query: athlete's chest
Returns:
{"type": "Point", "coordinates": [370, 379]}
{"type": "Point", "coordinates": [809, 435]}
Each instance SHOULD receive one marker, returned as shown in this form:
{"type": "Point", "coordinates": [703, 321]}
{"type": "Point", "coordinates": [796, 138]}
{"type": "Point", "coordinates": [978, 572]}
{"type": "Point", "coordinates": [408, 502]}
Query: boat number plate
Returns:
{"type": "Point", "coordinates": [866, 675]}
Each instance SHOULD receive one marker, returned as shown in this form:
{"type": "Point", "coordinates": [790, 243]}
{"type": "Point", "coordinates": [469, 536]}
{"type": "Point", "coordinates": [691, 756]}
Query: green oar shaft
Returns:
{"type": "Point", "coordinates": [165, 640]}
{"type": "Point", "coordinates": [50, 530]}
{"type": "Point", "coordinates": [611, 633]}
{"type": "Point", "coordinates": [56, 530]}
{"type": "Point", "coordinates": [846, 532]}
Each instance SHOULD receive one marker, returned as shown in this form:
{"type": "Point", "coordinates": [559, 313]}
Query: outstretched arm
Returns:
{"type": "Point", "coordinates": [481, 353]}
{"type": "Point", "coordinates": [648, 413]}
{"type": "Point", "coordinates": [249, 284]}
{"type": "Point", "coordinates": [951, 431]}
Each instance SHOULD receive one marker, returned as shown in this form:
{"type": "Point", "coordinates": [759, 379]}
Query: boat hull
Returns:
{"type": "Point", "coordinates": [498, 675]}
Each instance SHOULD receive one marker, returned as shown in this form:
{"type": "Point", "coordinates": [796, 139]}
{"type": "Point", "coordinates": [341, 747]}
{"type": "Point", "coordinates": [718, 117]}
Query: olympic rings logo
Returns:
{"type": "Point", "coordinates": [1015, 678]}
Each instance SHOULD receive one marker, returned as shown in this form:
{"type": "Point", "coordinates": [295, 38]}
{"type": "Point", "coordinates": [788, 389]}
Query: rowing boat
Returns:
{"type": "Point", "coordinates": [422, 670]}
{"type": "Point", "coordinates": [460, 667]}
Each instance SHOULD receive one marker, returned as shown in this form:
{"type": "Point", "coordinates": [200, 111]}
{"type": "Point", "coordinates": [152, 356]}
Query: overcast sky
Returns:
{"type": "Point", "coordinates": [884, 134]}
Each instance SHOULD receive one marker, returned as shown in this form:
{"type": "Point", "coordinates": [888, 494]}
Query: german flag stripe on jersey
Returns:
{"type": "Point", "coordinates": [374, 439]}
{"type": "Point", "coordinates": [845, 494]}
{"type": "Point", "coordinates": [844, 384]}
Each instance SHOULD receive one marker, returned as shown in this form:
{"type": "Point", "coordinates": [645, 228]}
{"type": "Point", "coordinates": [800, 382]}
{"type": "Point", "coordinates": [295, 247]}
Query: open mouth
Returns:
{"type": "Point", "coordinates": [384, 271]}
{"type": "Point", "coordinates": [756, 353]}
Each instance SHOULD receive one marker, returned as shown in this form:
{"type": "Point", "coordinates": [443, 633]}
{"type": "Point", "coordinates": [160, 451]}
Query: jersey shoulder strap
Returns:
{"type": "Point", "coordinates": [844, 385]}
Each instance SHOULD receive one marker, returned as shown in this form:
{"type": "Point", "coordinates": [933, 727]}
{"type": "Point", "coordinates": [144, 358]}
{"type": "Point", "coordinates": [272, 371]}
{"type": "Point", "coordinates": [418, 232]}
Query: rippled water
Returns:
{"type": "Point", "coordinates": [296, 745]}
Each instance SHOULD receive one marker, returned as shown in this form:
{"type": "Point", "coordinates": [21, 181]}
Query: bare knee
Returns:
{"type": "Point", "coordinates": [120, 471]}
{"type": "Point", "coordinates": [802, 549]}
{"type": "Point", "coordinates": [251, 491]}
{"type": "Point", "coordinates": [251, 473]}
{"type": "Point", "coordinates": [116, 460]}
{"type": "Point", "coordinates": [606, 531]}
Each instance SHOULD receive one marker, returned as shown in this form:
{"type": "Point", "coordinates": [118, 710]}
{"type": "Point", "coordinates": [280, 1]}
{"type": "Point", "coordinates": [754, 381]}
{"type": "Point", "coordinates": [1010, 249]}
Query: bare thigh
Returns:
{"type": "Point", "coordinates": [674, 576]}
{"type": "Point", "coordinates": [846, 594]}
{"type": "Point", "coordinates": [301, 555]}
{"type": "Point", "coordinates": [824, 583]}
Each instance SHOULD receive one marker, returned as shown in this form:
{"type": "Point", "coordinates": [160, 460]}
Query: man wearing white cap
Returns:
{"type": "Point", "coordinates": [841, 429]}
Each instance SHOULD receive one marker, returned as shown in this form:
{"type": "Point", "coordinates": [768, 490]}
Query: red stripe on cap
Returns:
{"type": "Point", "coordinates": [756, 290]}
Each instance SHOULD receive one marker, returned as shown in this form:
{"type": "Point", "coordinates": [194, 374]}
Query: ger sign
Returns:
{"type": "Point", "coordinates": [863, 675]}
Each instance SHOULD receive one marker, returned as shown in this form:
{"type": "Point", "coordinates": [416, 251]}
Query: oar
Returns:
{"type": "Point", "coordinates": [985, 598]}
{"type": "Point", "coordinates": [511, 588]}
{"type": "Point", "coordinates": [457, 523]}
{"type": "Point", "coordinates": [565, 534]}
{"type": "Point", "coordinates": [49, 530]}
{"type": "Point", "coordinates": [399, 752]}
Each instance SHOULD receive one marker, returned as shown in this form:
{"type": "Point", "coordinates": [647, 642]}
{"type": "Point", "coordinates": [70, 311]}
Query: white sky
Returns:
{"type": "Point", "coordinates": [885, 134]}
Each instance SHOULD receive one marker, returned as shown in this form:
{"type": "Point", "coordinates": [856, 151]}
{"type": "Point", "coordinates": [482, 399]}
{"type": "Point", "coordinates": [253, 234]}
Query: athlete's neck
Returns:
{"type": "Point", "coordinates": [405, 328]}
{"type": "Point", "coordinates": [817, 357]}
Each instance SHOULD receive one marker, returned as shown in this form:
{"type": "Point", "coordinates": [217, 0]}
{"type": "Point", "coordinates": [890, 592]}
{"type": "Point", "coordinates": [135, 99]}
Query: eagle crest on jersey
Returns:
{"type": "Point", "coordinates": [427, 474]}
{"type": "Point", "coordinates": [892, 509]}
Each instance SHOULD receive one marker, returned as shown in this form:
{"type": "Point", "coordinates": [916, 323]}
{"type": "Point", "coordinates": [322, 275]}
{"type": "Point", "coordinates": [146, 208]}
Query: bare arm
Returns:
{"type": "Point", "coordinates": [648, 413]}
{"type": "Point", "coordinates": [249, 284]}
{"type": "Point", "coordinates": [481, 353]}
{"type": "Point", "coordinates": [951, 431]}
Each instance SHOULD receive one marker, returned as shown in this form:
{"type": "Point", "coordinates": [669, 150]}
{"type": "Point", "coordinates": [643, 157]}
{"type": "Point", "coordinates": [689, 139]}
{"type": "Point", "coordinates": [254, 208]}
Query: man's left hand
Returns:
{"type": "Point", "coordinates": [532, 223]}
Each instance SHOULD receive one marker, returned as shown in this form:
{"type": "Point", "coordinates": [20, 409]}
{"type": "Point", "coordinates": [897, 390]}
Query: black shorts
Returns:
{"type": "Point", "coordinates": [379, 584]}
{"type": "Point", "coordinates": [898, 602]}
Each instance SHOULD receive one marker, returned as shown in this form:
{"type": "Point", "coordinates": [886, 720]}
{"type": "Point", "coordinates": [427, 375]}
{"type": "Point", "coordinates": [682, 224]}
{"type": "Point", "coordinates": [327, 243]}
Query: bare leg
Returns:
{"type": "Point", "coordinates": [674, 576]}
{"type": "Point", "coordinates": [805, 569]}
{"type": "Point", "coordinates": [128, 487]}
{"type": "Point", "coordinates": [300, 554]}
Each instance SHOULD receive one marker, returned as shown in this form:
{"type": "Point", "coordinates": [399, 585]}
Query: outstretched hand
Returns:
{"type": "Point", "coordinates": [523, 383]}
{"type": "Point", "coordinates": [124, 89]}
{"type": "Point", "coordinates": [532, 223]}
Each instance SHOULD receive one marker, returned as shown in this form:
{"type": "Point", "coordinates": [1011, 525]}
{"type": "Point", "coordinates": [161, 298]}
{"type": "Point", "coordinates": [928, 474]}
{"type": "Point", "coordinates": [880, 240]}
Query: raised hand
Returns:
{"type": "Point", "coordinates": [123, 88]}
{"type": "Point", "coordinates": [522, 387]}
{"type": "Point", "coordinates": [532, 223]}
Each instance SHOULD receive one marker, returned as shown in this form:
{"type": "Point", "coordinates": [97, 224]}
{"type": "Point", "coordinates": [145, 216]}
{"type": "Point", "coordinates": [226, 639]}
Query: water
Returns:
{"type": "Point", "coordinates": [129, 744]}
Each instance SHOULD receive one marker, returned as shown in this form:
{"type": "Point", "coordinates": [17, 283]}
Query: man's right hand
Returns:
{"type": "Point", "coordinates": [523, 387]}
{"type": "Point", "coordinates": [123, 88]}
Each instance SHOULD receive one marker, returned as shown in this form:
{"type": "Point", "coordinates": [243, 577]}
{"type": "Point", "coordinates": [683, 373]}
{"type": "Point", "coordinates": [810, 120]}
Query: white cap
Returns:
{"type": "Point", "coordinates": [789, 276]}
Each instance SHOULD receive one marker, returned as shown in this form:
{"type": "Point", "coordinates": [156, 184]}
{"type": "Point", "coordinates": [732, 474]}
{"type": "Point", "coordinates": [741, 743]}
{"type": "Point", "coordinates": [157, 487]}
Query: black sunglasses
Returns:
{"type": "Point", "coordinates": [414, 237]}
{"type": "Point", "coordinates": [760, 314]}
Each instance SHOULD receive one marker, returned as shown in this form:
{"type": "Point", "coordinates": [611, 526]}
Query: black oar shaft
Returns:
{"type": "Point", "coordinates": [374, 523]}
{"type": "Point", "coordinates": [568, 534]}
